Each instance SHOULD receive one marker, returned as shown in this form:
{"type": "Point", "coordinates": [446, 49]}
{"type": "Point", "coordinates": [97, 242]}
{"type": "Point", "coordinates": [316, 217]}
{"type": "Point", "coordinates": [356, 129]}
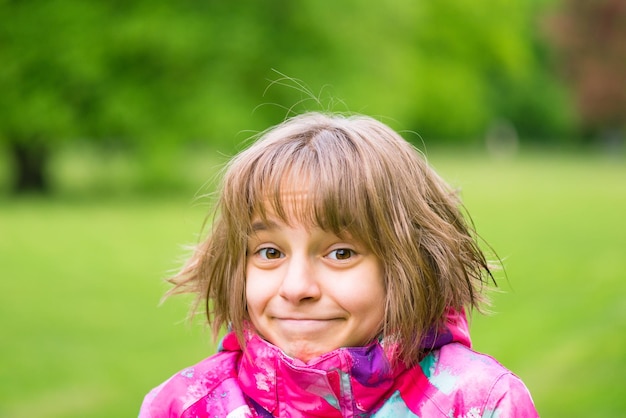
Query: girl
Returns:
{"type": "Point", "coordinates": [343, 266]}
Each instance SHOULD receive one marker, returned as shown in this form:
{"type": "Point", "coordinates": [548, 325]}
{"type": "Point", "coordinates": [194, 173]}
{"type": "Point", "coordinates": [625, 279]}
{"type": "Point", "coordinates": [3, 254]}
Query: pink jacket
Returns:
{"type": "Point", "coordinates": [261, 381]}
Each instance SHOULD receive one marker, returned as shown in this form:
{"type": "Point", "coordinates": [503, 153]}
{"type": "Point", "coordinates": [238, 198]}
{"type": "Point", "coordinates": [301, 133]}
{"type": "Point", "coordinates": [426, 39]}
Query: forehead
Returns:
{"type": "Point", "coordinates": [290, 204]}
{"type": "Point", "coordinates": [310, 204]}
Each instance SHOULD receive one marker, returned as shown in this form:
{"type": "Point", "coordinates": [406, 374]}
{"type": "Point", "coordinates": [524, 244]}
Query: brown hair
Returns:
{"type": "Point", "coordinates": [363, 178]}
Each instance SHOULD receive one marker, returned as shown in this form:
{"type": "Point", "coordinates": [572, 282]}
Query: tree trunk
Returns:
{"type": "Point", "coordinates": [30, 163]}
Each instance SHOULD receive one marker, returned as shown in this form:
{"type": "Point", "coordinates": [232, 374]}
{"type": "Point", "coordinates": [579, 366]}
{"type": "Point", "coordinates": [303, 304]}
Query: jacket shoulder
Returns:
{"type": "Point", "coordinates": [192, 385]}
{"type": "Point", "coordinates": [465, 383]}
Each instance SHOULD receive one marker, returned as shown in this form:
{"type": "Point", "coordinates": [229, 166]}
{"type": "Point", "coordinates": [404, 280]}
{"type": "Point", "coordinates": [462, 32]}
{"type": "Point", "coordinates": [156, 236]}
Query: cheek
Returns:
{"type": "Point", "coordinates": [258, 292]}
{"type": "Point", "coordinates": [369, 302]}
{"type": "Point", "coordinates": [362, 292]}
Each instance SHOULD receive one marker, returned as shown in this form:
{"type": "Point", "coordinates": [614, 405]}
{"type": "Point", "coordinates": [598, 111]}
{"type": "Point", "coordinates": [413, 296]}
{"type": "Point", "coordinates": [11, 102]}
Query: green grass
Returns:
{"type": "Point", "coordinates": [560, 320]}
{"type": "Point", "coordinates": [83, 335]}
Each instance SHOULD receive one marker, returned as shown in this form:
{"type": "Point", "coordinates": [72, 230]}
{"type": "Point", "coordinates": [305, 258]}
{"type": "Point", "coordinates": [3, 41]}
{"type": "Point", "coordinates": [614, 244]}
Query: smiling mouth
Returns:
{"type": "Point", "coordinates": [305, 320]}
{"type": "Point", "coordinates": [304, 324]}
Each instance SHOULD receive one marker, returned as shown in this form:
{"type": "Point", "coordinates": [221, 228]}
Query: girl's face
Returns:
{"type": "Point", "coordinates": [309, 291]}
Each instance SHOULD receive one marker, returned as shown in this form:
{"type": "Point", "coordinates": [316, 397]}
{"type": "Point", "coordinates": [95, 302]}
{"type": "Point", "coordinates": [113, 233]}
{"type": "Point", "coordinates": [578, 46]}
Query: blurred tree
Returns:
{"type": "Point", "coordinates": [110, 71]}
{"type": "Point", "coordinates": [154, 73]}
{"type": "Point", "coordinates": [590, 37]}
{"type": "Point", "coordinates": [482, 65]}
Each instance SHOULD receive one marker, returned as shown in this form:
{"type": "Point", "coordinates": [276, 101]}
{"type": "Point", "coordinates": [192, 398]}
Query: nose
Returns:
{"type": "Point", "coordinates": [300, 282]}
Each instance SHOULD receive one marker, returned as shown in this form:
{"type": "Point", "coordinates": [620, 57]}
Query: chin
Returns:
{"type": "Point", "coordinates": [306, 354]}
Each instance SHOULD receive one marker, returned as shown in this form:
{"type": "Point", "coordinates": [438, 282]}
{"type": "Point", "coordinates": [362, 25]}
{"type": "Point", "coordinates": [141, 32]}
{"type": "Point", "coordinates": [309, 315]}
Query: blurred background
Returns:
{"type": "Point", "coordinates": [115, 118]}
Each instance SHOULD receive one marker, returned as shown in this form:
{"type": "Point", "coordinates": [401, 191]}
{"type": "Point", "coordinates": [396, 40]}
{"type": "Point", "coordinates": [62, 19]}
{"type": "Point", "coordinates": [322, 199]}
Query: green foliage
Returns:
{"type": "Point", "coordinates": [189, 70]}
{"type": "Point", "coordinates": [130, 72]}
{"type": "Point", "coordinates": [149, 76]}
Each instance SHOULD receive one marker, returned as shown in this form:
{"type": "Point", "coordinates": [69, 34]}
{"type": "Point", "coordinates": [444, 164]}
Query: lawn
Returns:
{"type": "Point", "coordinates": [83, 334]}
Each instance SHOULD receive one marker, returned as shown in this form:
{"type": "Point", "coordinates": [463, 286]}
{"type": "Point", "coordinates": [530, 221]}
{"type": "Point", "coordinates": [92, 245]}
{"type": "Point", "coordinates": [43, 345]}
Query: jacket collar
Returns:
{"type": "Point", "coordinates": [344, 382]}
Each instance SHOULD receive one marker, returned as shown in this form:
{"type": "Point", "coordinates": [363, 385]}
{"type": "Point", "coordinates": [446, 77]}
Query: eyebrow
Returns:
{"type": "Point", "coordinates": [263, 226]}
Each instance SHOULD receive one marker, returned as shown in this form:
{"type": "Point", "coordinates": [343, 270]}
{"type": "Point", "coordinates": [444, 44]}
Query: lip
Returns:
{"type": "Point", "coordinates": [302, 319]}
{"type": "Point", "coordinates": [305, 324]}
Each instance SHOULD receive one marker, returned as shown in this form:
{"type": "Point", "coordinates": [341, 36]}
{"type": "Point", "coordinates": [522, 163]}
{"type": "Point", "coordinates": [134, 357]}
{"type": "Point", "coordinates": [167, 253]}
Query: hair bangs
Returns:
{"type": "Point", "coordinates": [317, 181]}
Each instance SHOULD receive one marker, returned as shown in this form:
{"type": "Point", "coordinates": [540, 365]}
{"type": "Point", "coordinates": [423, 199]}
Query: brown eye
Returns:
{"type": "Point", "coordinates": [341, 254]}
{"type": "Point", "coordinates": [270, 253]}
